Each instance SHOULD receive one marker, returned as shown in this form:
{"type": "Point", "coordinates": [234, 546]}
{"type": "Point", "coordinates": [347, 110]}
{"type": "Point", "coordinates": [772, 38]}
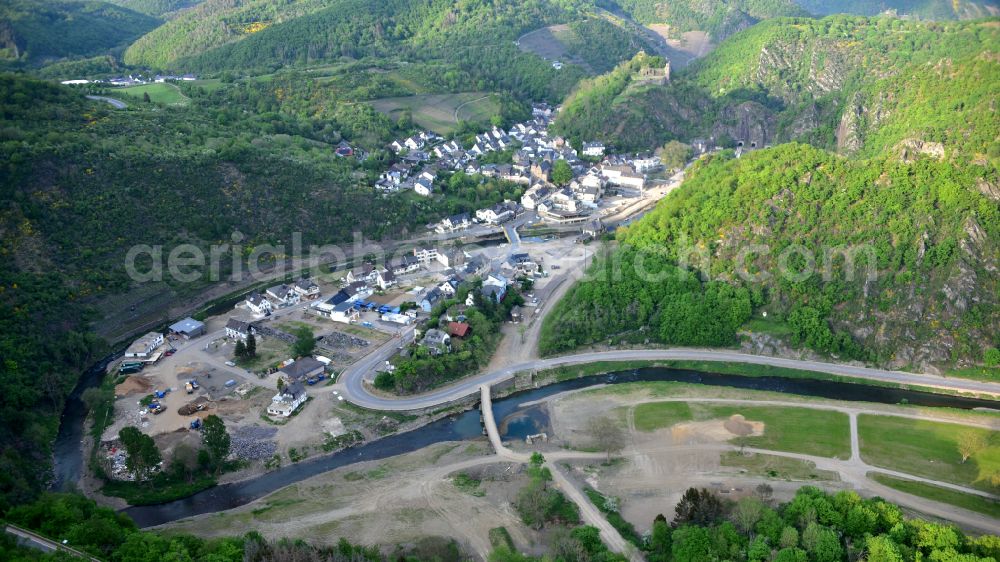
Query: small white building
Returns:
{"type": "Point", "coordinates": [345, 313]}
{"type": "Point", "coordinates": [284, 403]}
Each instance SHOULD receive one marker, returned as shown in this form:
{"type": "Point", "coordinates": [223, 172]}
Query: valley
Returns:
{"type": "Point", "coordinates": [517, 280]}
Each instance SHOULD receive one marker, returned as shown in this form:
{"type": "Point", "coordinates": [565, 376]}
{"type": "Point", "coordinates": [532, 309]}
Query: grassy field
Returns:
{"type": "Point", "coordinates": [798, 430]}
{"type": "Point", "coordinates": [164, 93]}
{"type": "Point", "coordinates": [269, 352]}
{"type": "Point", "coordinates": [929, 449]}
{"type": "Point", "coordinates": [210, 84]}
{"type": "Point", "coordinates": [772, 466]}
{"type": "Point", "coordinates": [437, 112]}
{"type": "Point", "coordinates": [971, 502]}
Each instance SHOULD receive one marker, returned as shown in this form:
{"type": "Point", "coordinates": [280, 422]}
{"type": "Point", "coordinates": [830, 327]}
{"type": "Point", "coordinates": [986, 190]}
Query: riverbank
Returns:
{"type": "Point", "coordinates": [466, 425]}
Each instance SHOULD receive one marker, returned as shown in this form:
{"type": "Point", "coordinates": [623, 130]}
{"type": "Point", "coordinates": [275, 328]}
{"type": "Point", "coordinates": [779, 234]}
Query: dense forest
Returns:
{"type": "Point", "coordinates": [918, 194]}
{"type": "Point", "coordinates": [719, 19]}
{"type": "Point", "coordinates": [156, 8]}
{"type": "Point", "coordinates": [34, 31]}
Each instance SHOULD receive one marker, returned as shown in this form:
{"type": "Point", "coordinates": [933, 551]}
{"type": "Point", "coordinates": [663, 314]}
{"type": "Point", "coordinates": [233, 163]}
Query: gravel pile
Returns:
{"type": "Point", "coordinates": [253, 442]}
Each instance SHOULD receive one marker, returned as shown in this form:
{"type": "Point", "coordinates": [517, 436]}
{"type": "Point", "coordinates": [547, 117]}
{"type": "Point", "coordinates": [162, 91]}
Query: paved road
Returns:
{"type": "Point", "coordinates": [118, 104]}
{"type": "Point", "coordinates": [29, 539]}
{"type": "Point", "coordinates": [355, 392]}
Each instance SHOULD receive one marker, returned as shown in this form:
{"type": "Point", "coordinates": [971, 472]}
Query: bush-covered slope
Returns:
{"type": "Point", "coordinates": [35, 31]}
{"type": "Point", "coordinates": [918, 200]}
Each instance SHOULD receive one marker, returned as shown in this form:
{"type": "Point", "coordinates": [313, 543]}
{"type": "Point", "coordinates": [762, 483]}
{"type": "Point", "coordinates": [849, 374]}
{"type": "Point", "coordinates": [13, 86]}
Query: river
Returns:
{"type": "Point", "coordinates": [517, 422]}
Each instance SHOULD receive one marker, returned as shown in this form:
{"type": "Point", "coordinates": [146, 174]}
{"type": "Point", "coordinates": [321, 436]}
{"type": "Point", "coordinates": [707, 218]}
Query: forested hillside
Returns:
{"type": "Point", "coordinates": [720, 19]}
{"type": "Point", "coordinates": [917, 200]}
{"type": "Point", "coordinates": [924, 9]}
{"type": "Point", "coordinates": [157, 8]}
{"type": "Point", "coordinates": [261, 33]}
{"type": "Point", "coordinates": [780, 80]}
{"type": "Point", "coordinates": [35, 31]}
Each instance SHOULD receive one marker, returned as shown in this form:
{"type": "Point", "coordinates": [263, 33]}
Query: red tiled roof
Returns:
{"type": "Point", "coordinates": [458, 329]}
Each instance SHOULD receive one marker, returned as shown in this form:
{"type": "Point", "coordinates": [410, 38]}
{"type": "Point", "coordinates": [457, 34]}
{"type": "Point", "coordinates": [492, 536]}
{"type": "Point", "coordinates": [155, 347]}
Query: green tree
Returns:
{"type": "Point", "coordinates": [659, 540]}
{"type": "Point", "coordinates": [305, 342]}
{"type": "Point", "coordinates": [747, 513]}
{"type": "Point", "coordinates": [216, 439]}
{"type": "Point", "coordinates": [562, 173]}
{"type": "Point", "coordinates": [241, 350]}
{"type": "Point", "coordinates": [789, 537]}
{"type": "Point", "coordinates": [141, 454]}
{"type": "Point", "coordinates": [692, 544]}
{"type": "Point", "coordinates": [970, 442]}
{"type": "Point", "coordinates": [822, 543]}
{"type": "Point", "coordinates": [251, 346]}
{"type": "Point", "coordinates": [698, 507]}
{"type": "Point", "coordinates": [882, 549]}
{"type": "Point", "coordinates": [674, 155]}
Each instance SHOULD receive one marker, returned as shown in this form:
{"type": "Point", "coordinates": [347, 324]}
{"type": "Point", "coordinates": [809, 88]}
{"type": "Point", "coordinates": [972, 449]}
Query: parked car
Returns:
{"type": "Point", "coordinates": [230, 363]}
{"type": "Point", "coordinates": [169, 352]}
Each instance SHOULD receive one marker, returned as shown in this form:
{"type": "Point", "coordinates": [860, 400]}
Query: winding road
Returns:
{"type": "Point", "coordinates": [354, 390]}
{"type": "Point", "coordinates": [118, 104]}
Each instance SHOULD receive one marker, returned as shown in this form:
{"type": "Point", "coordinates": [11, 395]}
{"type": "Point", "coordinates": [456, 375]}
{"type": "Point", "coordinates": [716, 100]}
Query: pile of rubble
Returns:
{"type": "Point", "coordinates": [340, 339]}
{"type": "Point", "coordinates": [253, 442]}
{"type": "Point", "coordinates": [269, 332]}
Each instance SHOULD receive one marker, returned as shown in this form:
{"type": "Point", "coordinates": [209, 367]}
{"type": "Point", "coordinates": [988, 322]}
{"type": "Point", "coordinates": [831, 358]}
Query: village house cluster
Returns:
{"type": "Point", "coordinates": [596, 173]}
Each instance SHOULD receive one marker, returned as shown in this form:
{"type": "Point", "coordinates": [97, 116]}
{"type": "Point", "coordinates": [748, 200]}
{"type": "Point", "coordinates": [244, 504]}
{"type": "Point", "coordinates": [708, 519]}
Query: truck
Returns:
{"type": "Point", "coordinates": [189, 388]}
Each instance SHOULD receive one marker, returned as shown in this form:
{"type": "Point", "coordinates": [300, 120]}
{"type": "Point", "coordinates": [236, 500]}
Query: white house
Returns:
{"type": "Point", "coordinates": [258, 304]}
{"type": "Point", "coordinates": [307, 289]}
{"type": "Point", "coordinates": [283, 294]}
{"type": "Point", "coordinates": [385, 278]}
{"type": "Point", "coordinates": [345, 312]}
{"type": "Point", "coordinates": [423, 187]}
{"type": "Point", "coordinates": [284, 403]}
{"type": "Point", "coordinates": [593, 149]}
{"type": "Point", "coordinates": [647, 163]}
{"type": "Point", "coordinates": [404, 264]}
{"type": "Point", "coordinates": [455, 222]}
{"type": "Point", "coordinates": [425, 255]}
{"type": "Point", "coordinates": [144, 347]}
{"type": "Point", "coordinates": [239, 329]}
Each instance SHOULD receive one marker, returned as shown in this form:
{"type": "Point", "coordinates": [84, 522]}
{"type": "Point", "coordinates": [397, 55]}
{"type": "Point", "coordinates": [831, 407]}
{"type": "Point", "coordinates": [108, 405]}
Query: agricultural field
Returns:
{"type": "Point", "coordinates": [441, 112]}
{"type": "Point", "coordinates": [167, 94]}
{"type": "Point", "coordinates": [930, 449]}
